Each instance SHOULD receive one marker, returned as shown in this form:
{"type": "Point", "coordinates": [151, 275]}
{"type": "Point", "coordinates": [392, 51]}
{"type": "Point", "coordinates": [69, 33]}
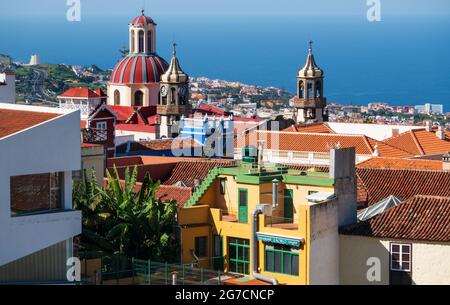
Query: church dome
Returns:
{"type": "Point", "coordinates": [310, 69]}
{"type": "Point", "coordinates": [144, 20]}
{"type": "Point", "coordinates": [139, 69]}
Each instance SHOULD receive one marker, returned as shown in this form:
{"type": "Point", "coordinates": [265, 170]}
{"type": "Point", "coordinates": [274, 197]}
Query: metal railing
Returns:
{"type": "Point", "coordinates": [148, 272]}
{"type": "Point", "coordinates": [94, 136]}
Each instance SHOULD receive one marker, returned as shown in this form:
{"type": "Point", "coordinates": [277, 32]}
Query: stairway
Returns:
{"type": "Point", "coordinates": [204, 186]}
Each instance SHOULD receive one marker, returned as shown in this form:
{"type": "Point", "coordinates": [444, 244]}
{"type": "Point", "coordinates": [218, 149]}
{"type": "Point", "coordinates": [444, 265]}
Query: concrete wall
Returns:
{"type": "Point", "coordinates": [53, 146]}
{"type": "Point", "coordinates": [46, 265]}
{"type": "Point", "coordinates": [429, 260]}
{"type": "Point", "coordinates": [324, 244]}
{"type": "Point", "coordinates": [93, 157]}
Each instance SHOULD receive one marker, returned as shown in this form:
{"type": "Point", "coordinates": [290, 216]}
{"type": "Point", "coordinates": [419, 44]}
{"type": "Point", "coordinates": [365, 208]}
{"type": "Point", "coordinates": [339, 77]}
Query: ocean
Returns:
{"type": "Point", "coordinates": [402, 61]}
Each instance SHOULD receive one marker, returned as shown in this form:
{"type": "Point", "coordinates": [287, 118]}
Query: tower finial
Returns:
{"type": "Point", "coordinates": [174, 48]}
{"type": "Point", "coordinates": [142, 11]}
{"type": "Point", "coordinates": [310, 45]}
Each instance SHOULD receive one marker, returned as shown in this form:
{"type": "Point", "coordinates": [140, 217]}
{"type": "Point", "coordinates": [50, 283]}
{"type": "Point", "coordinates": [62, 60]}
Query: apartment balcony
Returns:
{"type": "Point", "coordinates": [280, 223]}
{"type": "Point", "coordinates": [94, 136]}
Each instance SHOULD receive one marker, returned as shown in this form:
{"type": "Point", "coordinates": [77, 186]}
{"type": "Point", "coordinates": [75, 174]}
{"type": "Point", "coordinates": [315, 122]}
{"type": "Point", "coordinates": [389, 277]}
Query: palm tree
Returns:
{"type": "Point", "coordinates": [125, 219]}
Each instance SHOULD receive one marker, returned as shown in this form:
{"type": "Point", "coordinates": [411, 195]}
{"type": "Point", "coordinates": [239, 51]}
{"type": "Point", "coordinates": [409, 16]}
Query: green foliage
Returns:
{"type": "Point", "coordinates": [124, 219]}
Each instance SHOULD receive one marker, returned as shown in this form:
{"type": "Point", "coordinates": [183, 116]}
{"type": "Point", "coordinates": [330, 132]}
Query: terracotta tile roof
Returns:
{"type": "Point", "coordinates": [181, 195]}
{"type": "Point", "coordinates": [155, 145]}
{"type": "Point", "coordinates": [424, 218]}
{"type": "Point", "coordinates": [318, 142]}
{"type": "Point", "coordinates": [374, 184]}
{"type": "Point", "coordinates": [136, 127]}
{"type": "Point", "coordinates": [400, 163]}
{"type": "Point", "coordinates": [386, 150]}
{"type": "Point", "coordinates": [188, 171]}
{"type": "Point", "coordinates": [402, 183]}
{"type": "Point", "coordinates": [80, 93]}
{"type": "Point", "coordinates": [420, 142]}
{"type": "Point", "coordinates": [314, 127]}
{"type": "Point", "coordinates": [165, 193]}
{"type": "Point", "coordinates": [12, 121]}
{"type": "Point", "coordinates": [211, 109]}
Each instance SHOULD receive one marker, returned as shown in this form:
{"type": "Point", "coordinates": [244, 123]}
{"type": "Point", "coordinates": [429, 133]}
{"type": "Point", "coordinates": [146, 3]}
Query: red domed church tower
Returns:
{"type": "Point", "coordinates": [135, 79]}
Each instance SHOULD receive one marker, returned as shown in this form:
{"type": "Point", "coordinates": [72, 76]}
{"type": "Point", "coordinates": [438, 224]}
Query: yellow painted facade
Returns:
{"type": "Point", "coordinates": [217, 213]}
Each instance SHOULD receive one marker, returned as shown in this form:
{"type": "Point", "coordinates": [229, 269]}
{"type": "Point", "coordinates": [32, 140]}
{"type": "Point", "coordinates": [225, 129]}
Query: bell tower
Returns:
{"type": "Point", "coordinates": [310, 102]}
{"type": "Point", "coordinates": [173, 97]}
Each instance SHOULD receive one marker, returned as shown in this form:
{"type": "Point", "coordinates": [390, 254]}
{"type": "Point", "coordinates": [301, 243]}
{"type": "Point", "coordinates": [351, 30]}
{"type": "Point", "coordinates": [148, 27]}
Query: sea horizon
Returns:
{"type": "Point", "coordinates": [401, 61]}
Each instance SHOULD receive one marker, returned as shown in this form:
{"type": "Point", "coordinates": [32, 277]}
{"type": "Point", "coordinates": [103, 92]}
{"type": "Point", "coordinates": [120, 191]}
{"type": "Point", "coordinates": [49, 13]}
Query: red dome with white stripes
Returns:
{"type": "Point", "coordinates": [143, 20]}
{"type": "Point", "coordinates": [139, 69]}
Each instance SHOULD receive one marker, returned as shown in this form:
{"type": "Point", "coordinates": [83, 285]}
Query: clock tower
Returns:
{"type": "Point", "coordinates": [173, 98]}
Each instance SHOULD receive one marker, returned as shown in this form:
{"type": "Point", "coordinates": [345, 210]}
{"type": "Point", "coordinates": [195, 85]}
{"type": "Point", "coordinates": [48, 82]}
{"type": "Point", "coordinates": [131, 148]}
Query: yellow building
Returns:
{"type": "Point", "coordinates": [271, 223]}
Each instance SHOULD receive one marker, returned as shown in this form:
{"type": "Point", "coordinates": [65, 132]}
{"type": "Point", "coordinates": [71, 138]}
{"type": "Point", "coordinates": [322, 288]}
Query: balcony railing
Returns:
{"type": "Point", "coordinates": [94, 136]}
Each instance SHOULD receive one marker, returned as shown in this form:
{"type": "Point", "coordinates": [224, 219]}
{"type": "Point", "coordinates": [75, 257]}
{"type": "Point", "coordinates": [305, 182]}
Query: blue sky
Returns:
{"type": "Point", "coordinates": [226, 7]}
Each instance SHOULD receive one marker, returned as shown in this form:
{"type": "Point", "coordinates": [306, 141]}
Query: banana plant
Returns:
{"type": "Point", "coordinates": [125, 218]}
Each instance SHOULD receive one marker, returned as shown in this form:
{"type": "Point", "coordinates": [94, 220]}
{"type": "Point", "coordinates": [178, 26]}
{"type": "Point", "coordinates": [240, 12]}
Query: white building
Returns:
{"type": "Point", "coordinates": [34, 60]}
{"type": "Point", "coordinates": [83, 99]}
{"type": "Point", "coordinates": [407, 244]}
{"type": "Point", "coordinates": [430, 108]}
{"type": "Point", "coordinates": [7, 86]}
{"type": "Point", "coordinates": [39, 150]}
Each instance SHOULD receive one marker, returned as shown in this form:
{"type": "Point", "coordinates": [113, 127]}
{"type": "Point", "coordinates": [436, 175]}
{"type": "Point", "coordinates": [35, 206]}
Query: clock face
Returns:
{"type": "Point", "coordinates": [163, 90]}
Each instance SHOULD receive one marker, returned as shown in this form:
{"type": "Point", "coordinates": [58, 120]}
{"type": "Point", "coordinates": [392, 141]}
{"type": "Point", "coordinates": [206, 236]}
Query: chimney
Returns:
{"type": "Point", "coordinates": [446, 162]}
{"type": "Point", "coordinates": [440, 133]}
{"type": "Point", "coordinates": [428, 126]}
{"type": "Point", "coordinates": [395, 132]}
{"type": "Point", "coordinates": [260, 154]}
{"type": "Point", "coordinates": [342, 170]}
{"type": "Point", "coordinates": [376, 151]}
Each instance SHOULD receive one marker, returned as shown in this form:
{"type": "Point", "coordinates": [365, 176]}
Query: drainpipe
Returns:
{"type": "Point", "coordinates": [255, 246]}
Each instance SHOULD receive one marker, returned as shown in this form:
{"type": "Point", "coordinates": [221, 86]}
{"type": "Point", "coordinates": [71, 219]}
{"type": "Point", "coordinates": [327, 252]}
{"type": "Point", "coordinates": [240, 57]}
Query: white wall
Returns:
{"type": "Point", "coordinates": [430, 263]}
{"type": "Point", "coordinates": [324, 244]}
{"type": "Point", "coordinates": [375, 131]}
{"type": "Point", "coordinates": [52, 146]}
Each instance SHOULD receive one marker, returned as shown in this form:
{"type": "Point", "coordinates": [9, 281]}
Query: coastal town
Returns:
{"type": "Point", "coordinates": [146, 175]}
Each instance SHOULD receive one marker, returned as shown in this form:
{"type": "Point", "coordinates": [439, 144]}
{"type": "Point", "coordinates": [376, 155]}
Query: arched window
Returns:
{"type": "Point", "coordinates": [132, 42]}
{"type": "Point", "coordinates": [138, 98]}
{"type": "Point", "coordinates": [318, 90]}
{"type": "Point", "coordinates": [173, 95]}
{"type": "Point", "coordinates": [116, 97]}
{"type": "Point", "coordinates": [301, 89]}
{"type": "Point", "coordinates": [141, 41]}
{"type": "Point", "coordinates": [309, 93]}
{"type": "Point", "coordinates": [149, 41]}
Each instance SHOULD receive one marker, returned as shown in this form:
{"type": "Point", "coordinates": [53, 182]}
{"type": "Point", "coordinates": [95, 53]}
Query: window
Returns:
{"type": "Point", "coordinates": [400, 265]}
{"type": "Point", "coordinates": [223, 182]}
{"type": "Point", "coordinates": [201, 249]}
{"type": "Point", "coordinates": [312, 192]}
{"type": "Point", "coordinates": [35, 193]}
{"type": "Point", "coordinates": [138, 98]}
{"type": "Point", "coordinates": [218, 260]}
{"type": "Point", "coordinates": [401, 257]}
{"type": "Point", "coordinates": [173, 96]}
{"type": "Point", "coordinates": [117, 98]}
{"type": "Point", "coordinates": [141, 41]}
{"type": "Point", "coordinates": [239, 255]}
{"type": "Point", "coordinates": [281, 259]}
{"type": "Point", "coordinates": [101, 125]}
